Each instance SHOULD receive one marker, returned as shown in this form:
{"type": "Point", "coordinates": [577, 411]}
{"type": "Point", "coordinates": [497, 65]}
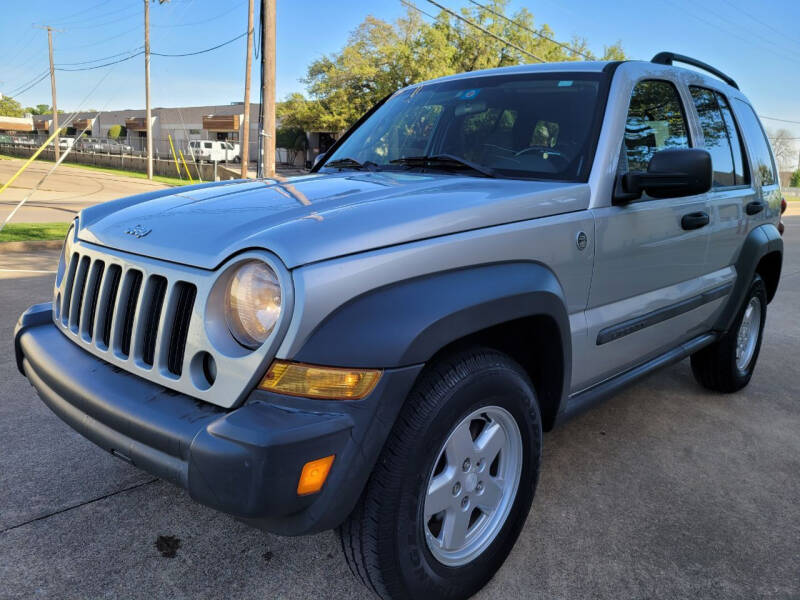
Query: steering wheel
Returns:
{"type": "Point", "coordinates": [543, 149]}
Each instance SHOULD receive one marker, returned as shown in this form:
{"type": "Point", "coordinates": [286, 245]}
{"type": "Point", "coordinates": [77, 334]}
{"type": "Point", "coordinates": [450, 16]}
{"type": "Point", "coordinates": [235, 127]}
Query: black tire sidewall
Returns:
{"type": "Point", "coordinates": [494, 386]}
{"type": "Point", "coordinates": [757, 289]}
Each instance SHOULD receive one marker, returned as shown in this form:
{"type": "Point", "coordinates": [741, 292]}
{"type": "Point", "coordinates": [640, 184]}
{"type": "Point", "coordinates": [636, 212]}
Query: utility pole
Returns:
{"type": "Point", "coordinates": [148, 124]}
{"type": "Point", "coordinates": [248, 67]}
{"type": "Point", "coordinates": [268, 86]}
{"type": "Point", "coordinates": [52, 87]}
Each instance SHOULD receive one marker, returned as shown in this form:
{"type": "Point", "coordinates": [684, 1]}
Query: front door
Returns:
{"type": "Point", "coordinates": [650, 269]}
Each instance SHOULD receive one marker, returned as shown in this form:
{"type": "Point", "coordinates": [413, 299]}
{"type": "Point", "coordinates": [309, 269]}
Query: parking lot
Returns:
{"type": "Point", "coordinates": [665, 491]}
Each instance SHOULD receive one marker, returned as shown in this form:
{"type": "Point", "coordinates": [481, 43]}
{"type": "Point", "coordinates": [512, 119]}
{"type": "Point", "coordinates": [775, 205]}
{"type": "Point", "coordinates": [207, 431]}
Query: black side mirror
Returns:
{"type": "Point", "coordinates": [670, 174]}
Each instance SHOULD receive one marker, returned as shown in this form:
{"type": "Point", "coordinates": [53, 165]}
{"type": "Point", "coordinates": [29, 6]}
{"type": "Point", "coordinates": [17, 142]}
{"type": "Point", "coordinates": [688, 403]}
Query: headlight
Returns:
{"type": "Point", "coordinates": [252, 303]}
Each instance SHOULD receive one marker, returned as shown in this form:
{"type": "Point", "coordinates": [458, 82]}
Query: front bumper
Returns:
{"type": "Point", "coordinates": [245, 461]}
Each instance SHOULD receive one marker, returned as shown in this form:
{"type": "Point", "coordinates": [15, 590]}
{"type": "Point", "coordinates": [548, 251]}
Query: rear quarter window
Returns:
{"type": "Point", "coordinates": [761, 163]}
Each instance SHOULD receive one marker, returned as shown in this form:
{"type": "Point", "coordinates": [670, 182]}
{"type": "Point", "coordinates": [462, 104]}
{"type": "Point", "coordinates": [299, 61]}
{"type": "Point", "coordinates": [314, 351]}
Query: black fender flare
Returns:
{"type": "Point", "coordinates": [407, 322]}
{"type": "Point", "coordinates": [762, 240]}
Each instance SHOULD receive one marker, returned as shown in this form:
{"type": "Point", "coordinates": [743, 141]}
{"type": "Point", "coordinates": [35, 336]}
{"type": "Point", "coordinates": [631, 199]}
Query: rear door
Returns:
{"type": "Point", "coordinates": [732, 195]}
{"type": "Point", "coordinates": [650, 266]}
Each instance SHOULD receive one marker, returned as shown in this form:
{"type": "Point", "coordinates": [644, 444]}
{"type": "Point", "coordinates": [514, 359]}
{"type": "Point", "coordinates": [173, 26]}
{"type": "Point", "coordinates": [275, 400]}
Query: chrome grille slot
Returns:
{"type": "Point", "coordinates": [90, 301]}
{"type": "Point", "coordinates": [152, 304]}
{"type": "Point", "coordinates": [105, 310]}
{"type": "Point", "coordinates": [184, 294]}
{"type": "Point", "coordinates": [128, 300]}
{"type": "Point", "coordinates": [68, 285]}
{"type": "Point", "coordinates": [78, 289]}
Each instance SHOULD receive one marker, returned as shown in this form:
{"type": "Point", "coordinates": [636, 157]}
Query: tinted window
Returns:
{"type": "Point", "coordinates": [207, 144]}
{"type": "Point", "coordinates": [655, 122]}
{"type": "Point", "coordinates": [715, 134]}
{"type": "Point", "coordinates": [539, 126]}
{"type": "Point", "coordinates": [762, 166]}
{"type": "Point", "coordinates": [735, 137]}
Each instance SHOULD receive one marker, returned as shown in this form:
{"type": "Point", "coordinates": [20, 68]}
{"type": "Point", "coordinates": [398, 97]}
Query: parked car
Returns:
{"type": "Point", "coordinates": [378, 346]}
{"type": "Point", "coordinates": [63, 143]}
{"type": "Point", "coordinates": [111, 146]}
{"type": "Point", "coordinates": [213, 151]}
{"type": "Point", "coordinates": [89, 144]}
{"type": "Point", "coordinates": [5, 139]}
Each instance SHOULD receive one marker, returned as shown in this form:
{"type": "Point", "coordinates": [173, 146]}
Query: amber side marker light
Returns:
{"type": "Point", "coordinates": [314, 474]}
{"type": "Point", "coordinates": [312, 381]}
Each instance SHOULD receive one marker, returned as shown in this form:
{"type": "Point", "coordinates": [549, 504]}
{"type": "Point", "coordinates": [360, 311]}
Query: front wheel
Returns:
{"type": "Point", "coordinates": [454, 482]}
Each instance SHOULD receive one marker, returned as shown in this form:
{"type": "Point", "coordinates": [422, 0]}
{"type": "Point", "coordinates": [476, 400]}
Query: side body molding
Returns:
{"type": "Point", "coordinates": [761, 241]}
{"type": "Point", "coordinates": [406, 323]}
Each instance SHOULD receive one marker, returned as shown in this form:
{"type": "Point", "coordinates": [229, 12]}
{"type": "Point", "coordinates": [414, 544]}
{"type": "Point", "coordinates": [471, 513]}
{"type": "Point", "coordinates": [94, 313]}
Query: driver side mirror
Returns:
{"type": "Point", "coordinates": [670, 174]}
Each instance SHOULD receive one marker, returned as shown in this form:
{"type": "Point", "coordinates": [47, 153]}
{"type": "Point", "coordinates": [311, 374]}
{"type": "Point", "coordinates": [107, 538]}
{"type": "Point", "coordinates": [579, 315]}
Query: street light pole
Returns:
{"type": "Point", "coordinates": [245, 156]}
{"type": "Point", "coordinates": [268, 86]}
{"type": "Point", "coordinates": [148, 123]}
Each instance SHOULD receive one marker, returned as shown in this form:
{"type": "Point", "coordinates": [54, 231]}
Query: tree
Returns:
{"type": "Point", "coordinates": [10, 107]}
{"type": "Point", "coordinates": [117, 131]}
{"type": "Point", "coordinates": [783, 148]}
{"type": "Point", "coordinates": [292, 139]}
{"type": "Point", "coordinates": [795, 180]}
{"type": "Point", "coordinates": [39, 109]}
{"type": "Point", "coordinates": [381, 57]}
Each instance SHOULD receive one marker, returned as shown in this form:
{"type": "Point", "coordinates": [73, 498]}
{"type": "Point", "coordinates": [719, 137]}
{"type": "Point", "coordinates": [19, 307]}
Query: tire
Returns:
{"type": "Point", "coordinates": [386, 538]}
{"type": "Point", "coordinates": [715, 367]}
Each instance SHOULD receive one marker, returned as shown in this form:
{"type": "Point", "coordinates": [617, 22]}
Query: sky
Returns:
{"type": "Point", "coordinates": [756, 43]}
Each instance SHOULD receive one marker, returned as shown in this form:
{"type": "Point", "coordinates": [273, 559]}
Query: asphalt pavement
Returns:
{"type": "Point", "coordinates": [665, 491]}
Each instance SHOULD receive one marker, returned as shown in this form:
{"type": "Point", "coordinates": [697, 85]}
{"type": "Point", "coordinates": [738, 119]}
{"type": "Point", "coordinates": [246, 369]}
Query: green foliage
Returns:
{"type": "Point", "coordinates": [291, 138]}
{"type": "Point", "coordinates": [117, 131]}
{"type": "Point", "coordinates": [39, 109]}
{"type": "Point", "coordinates": [795, 180]}
{"type": "Point", "coordinates": [382, 57]}
{"type": "Point", "coordinates": [10, 107]}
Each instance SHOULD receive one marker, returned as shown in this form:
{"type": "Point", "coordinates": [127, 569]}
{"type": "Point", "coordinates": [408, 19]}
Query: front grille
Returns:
{"type": "Point", "coordinates": [121, 310]}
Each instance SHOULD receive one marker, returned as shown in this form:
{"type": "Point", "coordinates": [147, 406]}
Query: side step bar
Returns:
{"type": "Point", "coordinates": [583, 401]}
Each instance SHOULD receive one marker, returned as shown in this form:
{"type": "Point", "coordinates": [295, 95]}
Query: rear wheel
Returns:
{"type": "Point", "coordinates": [454, 483]}
{"type": "Point", "coordinates": [728, 364]}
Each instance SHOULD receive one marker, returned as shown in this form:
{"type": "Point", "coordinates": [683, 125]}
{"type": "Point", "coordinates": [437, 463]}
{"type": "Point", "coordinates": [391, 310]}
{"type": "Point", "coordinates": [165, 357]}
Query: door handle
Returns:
{"type": "Point", "coordinates": [753, 208]}
{"type": "Point", "coordinates": [694, 220]}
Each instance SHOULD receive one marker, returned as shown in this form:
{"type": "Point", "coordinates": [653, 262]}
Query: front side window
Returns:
{"type": "Point", "coordinates": [655, 122]}
{"type": "Point", "coordinates": [715, 135]}
{"type": "Point", "coordinates": [761, 163]}
{"type": "Point", "coordinates": [208, 145]}
{"type": "Point", "coordinates": [539, 126]}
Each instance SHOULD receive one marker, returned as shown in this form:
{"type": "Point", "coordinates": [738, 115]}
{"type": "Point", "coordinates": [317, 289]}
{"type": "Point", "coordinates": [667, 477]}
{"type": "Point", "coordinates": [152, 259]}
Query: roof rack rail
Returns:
{"type": "Point", "coordinates": [667, 58]}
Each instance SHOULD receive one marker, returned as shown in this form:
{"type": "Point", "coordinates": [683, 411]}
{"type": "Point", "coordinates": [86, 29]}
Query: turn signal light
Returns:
{"type": "Point", "coordinates": [314, 474]}
{"type": "Point", "coordinates": [311, 381]}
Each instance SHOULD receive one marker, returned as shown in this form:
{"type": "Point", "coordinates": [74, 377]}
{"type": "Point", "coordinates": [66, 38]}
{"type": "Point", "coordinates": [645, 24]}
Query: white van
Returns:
{"type": "Point", "coordinates": [214, 151]}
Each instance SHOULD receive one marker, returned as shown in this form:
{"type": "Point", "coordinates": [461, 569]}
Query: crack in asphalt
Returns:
{"type": "Point", "coordinates": [63, 510]}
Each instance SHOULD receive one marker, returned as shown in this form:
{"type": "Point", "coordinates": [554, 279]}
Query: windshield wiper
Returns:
{"type": "Point", "coordinates": [444, 161]}
{"type": "Point", "coordinates": [350, 163]}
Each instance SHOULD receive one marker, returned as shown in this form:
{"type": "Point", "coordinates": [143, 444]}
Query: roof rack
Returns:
{"type": "Point", "coordinates": [667, 58]}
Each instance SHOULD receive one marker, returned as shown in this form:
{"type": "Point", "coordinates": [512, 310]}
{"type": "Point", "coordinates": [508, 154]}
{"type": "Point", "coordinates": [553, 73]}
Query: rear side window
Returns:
{"type": "Point", "coordinates": [763, 167]}
{"type": "Point", "coordinates": [207, 145]}
{"type": "Point", "coordinates": [721, 137]}
{"type": "Point", "coordinates": [656, 121]}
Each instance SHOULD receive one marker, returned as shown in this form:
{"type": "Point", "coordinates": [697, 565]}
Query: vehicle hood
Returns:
{"type": "Point", "coordinates": [319, 216]}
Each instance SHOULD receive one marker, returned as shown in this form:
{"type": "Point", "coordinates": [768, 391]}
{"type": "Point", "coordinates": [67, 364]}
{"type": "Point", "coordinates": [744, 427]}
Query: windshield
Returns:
{"type": "Point", "coordinates": [540, 126]}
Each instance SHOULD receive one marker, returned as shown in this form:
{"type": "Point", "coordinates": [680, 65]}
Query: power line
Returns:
{"type": "Point", "coordinates": [86, 62]}
{"type": "Point", "coordinates": [781, 120]}
{"type": "Point", "coordinates": [533, 31]}
{"type": "Point", "coordinates": [108, 64]}
{"type": "Point", "coordinates": [214, 18]}
{"type": "Point", "coordinates": [486, 31]}
{"type": "Point", "coordinates": [35, 83]}
{"type": "Point", "coordinates": [230, 41]}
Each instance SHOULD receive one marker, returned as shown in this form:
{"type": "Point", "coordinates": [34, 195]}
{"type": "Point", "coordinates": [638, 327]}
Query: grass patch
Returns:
{"type": "Point", "coordinates": [136, 174]}
{"type": "Point", "coordinates": [33, 232]}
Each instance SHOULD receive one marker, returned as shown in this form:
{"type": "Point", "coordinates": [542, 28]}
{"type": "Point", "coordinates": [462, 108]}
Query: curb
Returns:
{"type": "Point", "coordinates": [30, 246]}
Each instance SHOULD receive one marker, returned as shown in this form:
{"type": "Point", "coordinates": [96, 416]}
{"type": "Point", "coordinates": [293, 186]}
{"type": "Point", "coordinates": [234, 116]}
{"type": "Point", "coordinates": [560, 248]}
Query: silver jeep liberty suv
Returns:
{"type": "Point", "coordinates": [377, 346]}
